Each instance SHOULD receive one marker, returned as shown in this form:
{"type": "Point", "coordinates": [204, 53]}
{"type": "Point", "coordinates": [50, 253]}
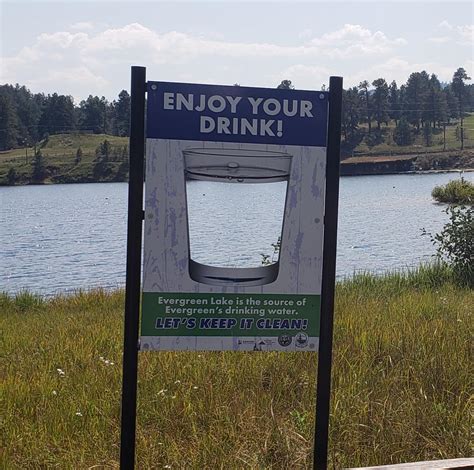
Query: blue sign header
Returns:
{"type": "Point", "coordinates": [185, 111]}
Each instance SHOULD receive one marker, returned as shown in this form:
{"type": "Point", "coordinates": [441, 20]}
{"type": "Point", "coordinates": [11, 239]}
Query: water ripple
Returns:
{"type": "Point", "coordinates": [66, 237]}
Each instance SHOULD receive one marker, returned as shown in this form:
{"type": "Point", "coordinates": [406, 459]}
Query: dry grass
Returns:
{"type": "Point", "coordinates": [401, 386]}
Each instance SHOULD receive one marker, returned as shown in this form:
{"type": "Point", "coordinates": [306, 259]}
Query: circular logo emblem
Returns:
{"type": "Point", "coordinates": [301, 340]}
{"type": "Point", "coordinates": [284, 340]}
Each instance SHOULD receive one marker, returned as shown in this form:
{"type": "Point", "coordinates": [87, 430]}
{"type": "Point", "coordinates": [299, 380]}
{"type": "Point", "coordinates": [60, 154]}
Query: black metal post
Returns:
{"type": "Point", "coordinates": [329, 275]}
{"type": "Point", "coordinates": [132, 287]}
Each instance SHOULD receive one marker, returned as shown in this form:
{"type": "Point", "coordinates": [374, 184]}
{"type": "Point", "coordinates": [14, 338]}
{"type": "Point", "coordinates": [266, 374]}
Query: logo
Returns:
{"type": "Point", "coordinates": [284, 340]}
{"type": "Point", "coordinates": [301, 340]}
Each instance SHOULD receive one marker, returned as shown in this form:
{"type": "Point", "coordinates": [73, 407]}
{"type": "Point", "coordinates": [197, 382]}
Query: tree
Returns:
{"type": "Point", "coordinates": [427, 135]}
{"type": "Point", "coordinates": [57, 115]}
{"type": "Point", "coordinates": [124, 153]}
{"type": "Point", "coordinates": [78, 156]}
{"type": "Point", "coordinates": [394, 102]}
{"type": "Point", "coordinates": [452, 102]}
{"type": "Point", "coordinates": [365, 97]}
{"type": "Point", "coordinates": [435, 105]}
{"type": "Point", "coordinates": [415, 95]}
{"type": "Point", "coordinates": [122, 113]}
{"type": "Point", "coordinates": [94, 114]}
{"type": "Point", "coordinates": [285, 85]}
{"type": "Point", "coordinates": [460, 91]}
{"type": "Point", "coordinates": [102, 169]}
{"type": "Point", "coordinates": [403, 134]}
{"type": "Point", "coordinates": [12, 176]}
{"type": "Point", "coordinates": [39, 170]}
{"type": "Point", "coordinates": [380, 101]}
{"type": "Point", "coordinates": [8, 123]}
{"type": "Point", "coordinates": [28, 111]}
{"type": "Point", "coordinates": [103, 151]}
{"type": "Point", "coordinates": [460, 133]}
{"type": "Point", "coordinates": [351, 114]}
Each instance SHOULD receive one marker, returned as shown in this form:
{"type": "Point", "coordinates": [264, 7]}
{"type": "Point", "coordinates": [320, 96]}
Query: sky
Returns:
{"type": "Point", "coordinates": [82, 48]}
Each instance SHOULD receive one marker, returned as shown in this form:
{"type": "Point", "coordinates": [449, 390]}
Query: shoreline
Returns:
{"type": "Point", "coordinates": [341, 280]}
{"type": "Point", "coordinates": [413, 172]}
{"type": "Point", "coordinates": [376, 173]}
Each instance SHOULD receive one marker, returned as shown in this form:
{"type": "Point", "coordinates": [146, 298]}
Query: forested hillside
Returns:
{"type": "Point", "coordinates": [49, 138]}
{"type": "Point", "coordinates": [27, 118]}
{"type": "Point", "coordinates": [417, 110]}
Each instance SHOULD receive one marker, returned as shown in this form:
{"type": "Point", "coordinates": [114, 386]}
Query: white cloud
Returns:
{"type": "Point", "coordinates": [440, 39]}
{"type": "Point", "coordinates": [305, 76]}
{"type": "Point", "coordinates": [353, 38]}
{"type": "Point", "coordinates": [305, 34]}
{"type": "Point", "coordinates": [135, 40]}
{"type": "Point", "coordinates": [465, 35]}
{"type": "Point", "coordinates": [82, 26]}
{"type": "Point", "coordinates": [80, 61]}
{"type": "Point", "coordinates": [445, 25]}
{"type": "Point", "coordinates": [462, 35]}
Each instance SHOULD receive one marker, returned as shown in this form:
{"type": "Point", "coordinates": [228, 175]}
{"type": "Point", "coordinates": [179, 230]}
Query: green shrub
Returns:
{"type": "Point", "coordinates": [455, 192]}
{"type": "Point", "coordinates": [455, 243]}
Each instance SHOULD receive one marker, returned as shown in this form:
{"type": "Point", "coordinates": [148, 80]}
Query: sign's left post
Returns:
{"type": "Point", "coordinates": [133, 279]}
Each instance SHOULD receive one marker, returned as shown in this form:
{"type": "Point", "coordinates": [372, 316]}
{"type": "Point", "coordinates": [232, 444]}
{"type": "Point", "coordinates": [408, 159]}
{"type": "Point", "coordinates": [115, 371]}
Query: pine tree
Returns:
{"type": "Point", "coordinates": [365, 98]}
{"type": "Point", "coordinates": [459, 89]}
{"type": "Point", "coordinates": [415, 96]}
{"type": "Point", "coordinates": [27, 109]}
{"type": "Point", "coordinates": [351, 114]}
{"type": "Point", "coordinates": [78, 158]}
{"type": "Point", "coordinates": [39, 169]}
{"type": "Point", "coordinates": [452, 102]}
{"type": "Point", "coordinates": [102, 168]}
{"type": "Point", "coordinates": [403, 134]}
{"type": "Point", "coordinates": [93, 112]}
{"type": "Point", "coordinates": [380, 101]}
{"type": "Point", "coordinates": [122, 113]}
{"type": "Point", "coordinates": [12, 176]}
{"type": "Point", "coordinates": [428, 134]}
{"type": "Point", "coordinates": [285, 85]}
{"type": "Point", "coordinates": [57, 115]}
{"type": "Point", "coordinates": [105, 149]}
{"type": "Point", "coordinates": [438, 101]}
{"type": "Point", "coordinates": [8, 123]}
{"type": "Point", "coordinates": [394, 102]}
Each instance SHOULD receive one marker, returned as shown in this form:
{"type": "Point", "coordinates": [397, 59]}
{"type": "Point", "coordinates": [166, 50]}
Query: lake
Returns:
{"type": "Point", "coordinates": [59, 238]}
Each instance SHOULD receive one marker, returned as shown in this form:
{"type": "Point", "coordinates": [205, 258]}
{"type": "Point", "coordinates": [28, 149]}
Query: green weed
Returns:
{"type": "Point", "coordinates": [401, 385]}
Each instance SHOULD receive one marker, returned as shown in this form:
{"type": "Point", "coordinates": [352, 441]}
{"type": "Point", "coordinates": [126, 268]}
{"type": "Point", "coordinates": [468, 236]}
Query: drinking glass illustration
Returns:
{"type": "Point", "coordinates": [235, 206]}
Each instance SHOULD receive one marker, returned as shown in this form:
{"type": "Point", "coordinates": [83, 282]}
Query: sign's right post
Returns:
{"type": "Point", "coordinates": [329, 275]}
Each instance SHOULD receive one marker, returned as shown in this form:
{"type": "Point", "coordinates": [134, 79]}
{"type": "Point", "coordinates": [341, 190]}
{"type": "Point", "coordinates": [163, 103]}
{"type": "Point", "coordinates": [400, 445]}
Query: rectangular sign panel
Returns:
{"type": "Point", "coordinates": [186, 111]}
{"type": "Point", "coordinates": [235, 183]}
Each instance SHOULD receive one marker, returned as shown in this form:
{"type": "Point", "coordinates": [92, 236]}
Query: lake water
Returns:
{"type": "Point", "coordinates": [64, 237]}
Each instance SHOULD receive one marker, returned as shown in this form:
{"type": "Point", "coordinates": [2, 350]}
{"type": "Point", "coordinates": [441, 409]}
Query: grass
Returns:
{"type": "Point", "coordinates": [458, 191]}
{"type": "Point", "coordinates": [59, 153]}
{"type": "Point", "coordinates": [401, 385]}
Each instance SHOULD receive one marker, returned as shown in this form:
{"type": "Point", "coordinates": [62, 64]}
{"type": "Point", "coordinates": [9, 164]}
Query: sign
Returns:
{"type": "Point", "coordinates": [241, 136]}
{"type": "Point", "coordinates": [183, 111]}
{"type": "Point", "coordinates": [237, 135]}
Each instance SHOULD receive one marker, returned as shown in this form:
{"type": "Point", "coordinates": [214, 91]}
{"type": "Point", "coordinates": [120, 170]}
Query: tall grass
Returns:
{"type": "Point", "coordinates": [401, 385]}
